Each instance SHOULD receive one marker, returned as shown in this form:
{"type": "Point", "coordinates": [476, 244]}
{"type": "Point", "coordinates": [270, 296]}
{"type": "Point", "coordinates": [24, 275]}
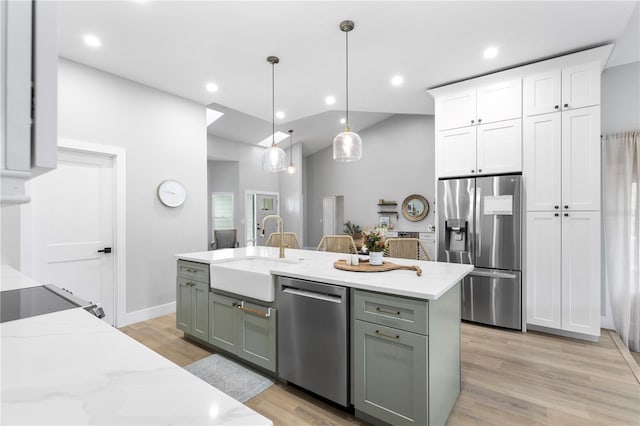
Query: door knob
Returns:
{"type": "Point", "coordinates": [105, 250]}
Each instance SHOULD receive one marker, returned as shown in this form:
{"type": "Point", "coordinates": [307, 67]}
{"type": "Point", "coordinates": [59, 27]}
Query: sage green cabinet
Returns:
{"type": "Point", "coordinates": [193, 308]}
{"type": "Point", "coordinates": [245, 329]}
{"type": "Point", "coordinates": [406, 357]}
{"type": "Point", "coordinates": [391, 374]}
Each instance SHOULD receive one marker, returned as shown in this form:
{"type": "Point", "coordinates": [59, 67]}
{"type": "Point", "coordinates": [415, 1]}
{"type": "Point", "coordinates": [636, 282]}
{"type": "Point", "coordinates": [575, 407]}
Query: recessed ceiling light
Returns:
{"type": "Point", "coordinates": [212, 87]}
{"type": "Point", "coordinates": [330, 100]}
{"type": "Point", "coordinates": [490, 52]}
{"type": "Point", "coordinates": [91, 40]}
{"type": "Point", "coordinates": [343, 120]}
{"type": "Point", "coordinates": [278, 136]}
{"type": "Point", "coordinates": [397, 80]}
{"type": "Point", "coordinates": [280, 114]}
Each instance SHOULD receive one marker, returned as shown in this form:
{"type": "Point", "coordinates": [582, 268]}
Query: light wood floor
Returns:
{"type": "Point", "coordinates": [636, 356]}
{"type": "Point", "coordinates": [508, 378]}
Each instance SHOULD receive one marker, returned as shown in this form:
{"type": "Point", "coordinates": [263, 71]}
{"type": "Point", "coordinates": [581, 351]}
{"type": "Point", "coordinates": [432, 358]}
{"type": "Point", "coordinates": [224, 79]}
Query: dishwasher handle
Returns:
{"type": "Point", "coordinates": [311, 294]}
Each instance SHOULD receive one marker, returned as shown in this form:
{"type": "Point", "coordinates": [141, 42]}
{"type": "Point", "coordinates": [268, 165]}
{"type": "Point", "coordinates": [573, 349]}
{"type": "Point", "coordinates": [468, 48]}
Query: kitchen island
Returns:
{"type": "Point", "coordinates": [69, 367]}
{"type": "Point", "coordinates": [404, 329]}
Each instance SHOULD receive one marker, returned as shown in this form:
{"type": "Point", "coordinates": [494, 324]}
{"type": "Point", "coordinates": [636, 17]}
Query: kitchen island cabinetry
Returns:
{"type": "Point", "coordinates": [406, 357]}
{"type": "Point", "coordinates": [193, 299]}
{"type": "Point", "coordinates": [245, 329]}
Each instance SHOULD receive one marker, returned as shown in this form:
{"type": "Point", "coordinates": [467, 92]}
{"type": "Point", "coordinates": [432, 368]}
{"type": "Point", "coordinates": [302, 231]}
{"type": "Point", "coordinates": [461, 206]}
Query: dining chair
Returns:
{"type": "Point", "coordinates": [224, 238]}
{"type": "Point", "coordinates": [406, 248]}
{"type": "Point", "coordinates": [337, 244]}
{"type": "Point", "coordinates": [290, 240]}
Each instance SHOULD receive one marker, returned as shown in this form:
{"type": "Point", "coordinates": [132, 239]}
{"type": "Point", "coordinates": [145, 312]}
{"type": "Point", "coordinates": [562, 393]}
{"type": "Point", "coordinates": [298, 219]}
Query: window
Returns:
{"type": "Point", "coordinates": [222, 210]}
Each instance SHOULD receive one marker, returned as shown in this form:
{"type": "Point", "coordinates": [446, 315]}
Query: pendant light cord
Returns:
{"type": "Point", "coordinates": [347, 79]}
{"type": "Point", "coordinates": [273, 104]}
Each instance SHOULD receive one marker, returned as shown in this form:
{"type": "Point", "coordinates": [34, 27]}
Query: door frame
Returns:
{"type": "Point", "coordinates": [119, 156]}
{"type": "Point", "coordinates": [254, 192]}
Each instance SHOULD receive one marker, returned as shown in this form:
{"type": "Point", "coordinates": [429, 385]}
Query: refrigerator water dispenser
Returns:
{"type": "Point", "coordinates": [456, 235]}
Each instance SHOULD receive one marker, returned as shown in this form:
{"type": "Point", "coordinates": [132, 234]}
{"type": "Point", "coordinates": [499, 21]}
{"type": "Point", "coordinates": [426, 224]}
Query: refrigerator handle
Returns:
{"type": "Point", "coordinates": [476, 225]}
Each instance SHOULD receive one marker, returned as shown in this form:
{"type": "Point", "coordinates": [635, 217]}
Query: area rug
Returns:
{"type": "Point", "coordinates": [237, 381]}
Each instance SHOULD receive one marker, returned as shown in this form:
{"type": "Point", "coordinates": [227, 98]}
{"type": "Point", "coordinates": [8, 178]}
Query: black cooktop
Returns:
{"type": "Point", "coordinates": [29, 302]}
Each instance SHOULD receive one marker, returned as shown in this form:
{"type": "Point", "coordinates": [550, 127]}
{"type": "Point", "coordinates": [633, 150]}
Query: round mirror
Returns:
{"type": "Point", "coordinates": [415, 208]}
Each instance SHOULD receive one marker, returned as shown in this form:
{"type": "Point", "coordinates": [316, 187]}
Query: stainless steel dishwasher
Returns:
{"type": "Point", "coordinates": [313, 337]}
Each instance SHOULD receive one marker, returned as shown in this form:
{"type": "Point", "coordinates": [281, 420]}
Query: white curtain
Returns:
{"type": "Point", "coordinates": [621, 206]}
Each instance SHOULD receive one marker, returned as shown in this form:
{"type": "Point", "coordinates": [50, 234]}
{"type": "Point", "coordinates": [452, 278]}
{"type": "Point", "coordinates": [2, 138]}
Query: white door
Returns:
{"type": "Point", "coordinates": [581, 281]}
{"type": "Point", "coordinates": [456, 152]}
{"type": "Point", "coordinates": [581, 86]}
{"type": "Point", "coordinates": [72, 219]}
{"type": "Point", "coordinates": [499, 147]}
{"type": "Point", "coordinates": [500, 101]}
{"type": "Point", "coordinates": [456, 110]}
{"type": "Point", "coordinates": [581, 159]}
{"type": "Point", "coordinates": [265, 205]}
{"type": "Point", "coordinates": [542, 161]}
{"type": "Point", "coordinates": [541, 93]}
{"type": "Point", "coordinates": [543, 269]}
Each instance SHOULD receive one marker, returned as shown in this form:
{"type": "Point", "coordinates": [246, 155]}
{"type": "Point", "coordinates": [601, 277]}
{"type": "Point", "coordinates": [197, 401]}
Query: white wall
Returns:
{"type": "Point", "coordinates": [10, 236]}
{"type": "Point", "coordinates": [251, 176]}
{"type": "Point", "coordinates": [165, 138]}
{"type": "Point", "coordinates": [292, 196]}
{"type": "Point", "coordinates": [620, 105]}
{"type": "Point", "coordinates": [397, 161]}
{"type": "Point", "coordinates": [223, 176]}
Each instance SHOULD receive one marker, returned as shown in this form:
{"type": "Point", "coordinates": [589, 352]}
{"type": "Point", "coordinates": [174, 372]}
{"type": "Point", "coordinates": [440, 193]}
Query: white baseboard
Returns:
{"type": "Point", "coordinates": [146, 314]}
{"type": "Point", "coordinates": [563, 333]}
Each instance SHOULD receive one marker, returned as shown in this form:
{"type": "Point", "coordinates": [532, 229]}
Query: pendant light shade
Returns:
{"type": "Point", "coordinates": [291, 169]}
{"type": "Point", "coordinates": [347, 146]}
{"type": "Point", "coordinates": [274, 159]}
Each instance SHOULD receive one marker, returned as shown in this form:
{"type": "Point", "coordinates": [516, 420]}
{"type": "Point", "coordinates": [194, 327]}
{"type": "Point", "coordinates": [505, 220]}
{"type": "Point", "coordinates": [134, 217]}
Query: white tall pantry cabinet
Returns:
{"type": "Point", "coordinates": [542, 119]}
{"type": "Point", "coordinates": [561, 172]}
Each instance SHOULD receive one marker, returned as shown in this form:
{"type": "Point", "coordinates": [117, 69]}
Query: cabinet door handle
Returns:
{"type": "Point", "coordinates": [254, 311]}
{"type": "Point", "coordinates": [566, 215]}
{"type": "Point", "coordinates": [566, 207]}
{"type": "Point", "coordinates": [557, 106]}
{"type": "Point", "coordinates": [556, 207]}
{"type": "Point", "coordinates": [473, 121]}
{"type": "Point", "coordinates": [556, 214]}
{"type": "Point", "coordinates": [479, 120]}
{"type": "Point", "coordinates": [387, 311]}
{"type": "Point", "coordinates": [473, 171]}
{"type": "Point", "coordinates": [389, 336]}
{"type": "Point", "coordinates": [566, 105]}
{"type": "Point", "coordinates": [479, 170]}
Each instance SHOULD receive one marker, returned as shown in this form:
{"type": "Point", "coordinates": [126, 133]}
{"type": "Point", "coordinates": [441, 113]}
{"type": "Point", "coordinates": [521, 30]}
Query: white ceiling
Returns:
{"type": "Point", "coordinates": [179, 46]}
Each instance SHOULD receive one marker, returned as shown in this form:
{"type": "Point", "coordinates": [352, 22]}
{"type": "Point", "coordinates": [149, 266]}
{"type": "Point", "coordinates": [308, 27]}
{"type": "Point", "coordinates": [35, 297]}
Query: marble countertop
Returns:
{"type": "Point", "coordinates": [70, 368]}
{"type": "Point", "coordinates": [437, 278]}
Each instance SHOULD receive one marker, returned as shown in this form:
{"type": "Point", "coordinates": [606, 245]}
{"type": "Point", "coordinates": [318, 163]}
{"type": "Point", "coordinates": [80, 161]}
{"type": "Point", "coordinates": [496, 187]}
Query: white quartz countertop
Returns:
{"type": "Point", "coordinates": [437, 278]}
{"type": "Point", "coordinates": [71, 368]}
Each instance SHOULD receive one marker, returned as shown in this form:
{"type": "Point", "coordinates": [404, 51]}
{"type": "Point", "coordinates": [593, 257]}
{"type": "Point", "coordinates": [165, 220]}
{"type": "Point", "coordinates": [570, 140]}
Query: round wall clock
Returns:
{"type": "Point", "coordinates": [171, 193]}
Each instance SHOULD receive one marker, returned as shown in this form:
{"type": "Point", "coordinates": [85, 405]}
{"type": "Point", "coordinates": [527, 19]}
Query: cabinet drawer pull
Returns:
{"type": "Point", "coordinates": [192, 270]}
{"type": "Point", "coordinates": [380, 333]}
{"type": "Point", "coordinates": [386, 311]}
{"type": "Point", "coordinates": [254, 311]}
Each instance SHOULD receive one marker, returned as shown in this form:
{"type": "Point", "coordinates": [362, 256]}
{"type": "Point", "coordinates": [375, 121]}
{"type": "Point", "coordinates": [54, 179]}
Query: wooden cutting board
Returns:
{"type": "Point", "coordinates": [365, 266]}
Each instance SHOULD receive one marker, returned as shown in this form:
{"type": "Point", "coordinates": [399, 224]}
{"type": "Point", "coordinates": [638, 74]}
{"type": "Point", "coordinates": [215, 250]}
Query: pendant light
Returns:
{"type": "Point", "coordinates": [274, 158]}
{"type": "Point", "coordinates": [291, 169]}
{"type": "Point", "coordinates": [347, 146]}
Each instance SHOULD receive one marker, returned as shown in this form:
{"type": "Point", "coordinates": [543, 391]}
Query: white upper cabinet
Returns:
{"type": "Point", "coordinates": [581, 159]}
{"type": "Point", "coordinates": [456, 152]}
{"type": "Point", "coordinates": [498, 102]}
{"type": "Point", "coordinates": [457, 110]}
{"type": "Point", "coordinates": [499, 147]}
{"type": "Point", "coordinates": [541, 93]}
{"type": "Point", "coordinates": [559, 90]}
{"type": "Point", "coordinates": [581, 86]}
{"type": "Point", "coordinates": [542, 162]}
{"type": "Point", "coordinates": [486, 104]}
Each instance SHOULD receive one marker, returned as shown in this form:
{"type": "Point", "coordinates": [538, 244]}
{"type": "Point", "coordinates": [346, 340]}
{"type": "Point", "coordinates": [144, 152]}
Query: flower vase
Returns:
{"type": "Point", "coordinates": [375, 258]}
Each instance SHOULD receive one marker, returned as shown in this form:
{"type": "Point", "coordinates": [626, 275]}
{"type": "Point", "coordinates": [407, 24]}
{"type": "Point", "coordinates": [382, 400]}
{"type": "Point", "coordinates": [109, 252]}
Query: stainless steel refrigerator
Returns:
{"type": "Point", "coordinates": [479, 223]}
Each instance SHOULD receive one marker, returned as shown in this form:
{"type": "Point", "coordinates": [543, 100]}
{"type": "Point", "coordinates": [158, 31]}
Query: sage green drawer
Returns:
{"type": "Point", "coordinates": [193, 271]}
{"type": "Point", "coordinates": [393, 311]}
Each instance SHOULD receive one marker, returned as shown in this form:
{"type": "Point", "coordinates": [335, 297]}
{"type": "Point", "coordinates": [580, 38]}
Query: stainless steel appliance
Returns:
{"type": "Point", "coordinates": [313, 337]}
{"type": "Point", "coordinates": [479, 223]}
{"type": "Point", "coordinates": [40, 300]}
